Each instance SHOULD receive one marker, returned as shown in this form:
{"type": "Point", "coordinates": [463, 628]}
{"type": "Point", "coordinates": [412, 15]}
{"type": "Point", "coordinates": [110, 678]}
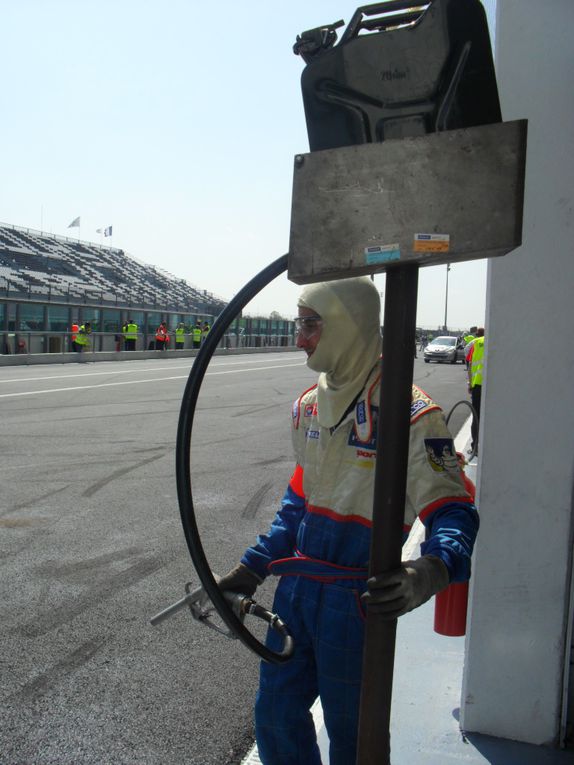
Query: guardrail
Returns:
{"type": "Point", "coordinates": [33, 342]}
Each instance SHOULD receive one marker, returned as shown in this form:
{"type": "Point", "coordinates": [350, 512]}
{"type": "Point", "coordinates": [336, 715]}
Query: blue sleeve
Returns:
{"type": "Point", "coordinates": [279, 542]}
{"type": "Point", "coordinates": [451, 532]}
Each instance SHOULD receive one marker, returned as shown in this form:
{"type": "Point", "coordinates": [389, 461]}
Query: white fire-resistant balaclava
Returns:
{"type": "Point", "coordinates": [350, 342]}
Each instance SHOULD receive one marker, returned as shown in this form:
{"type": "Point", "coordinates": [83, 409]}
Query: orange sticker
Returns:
{"type": "Point", "coordinates": [431, 243]}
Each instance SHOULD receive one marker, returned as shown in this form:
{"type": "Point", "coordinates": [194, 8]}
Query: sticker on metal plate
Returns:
{"type": "Point", "coordinates": [431, 243]}
{"type": "Point", "coordinates": [382, 253]}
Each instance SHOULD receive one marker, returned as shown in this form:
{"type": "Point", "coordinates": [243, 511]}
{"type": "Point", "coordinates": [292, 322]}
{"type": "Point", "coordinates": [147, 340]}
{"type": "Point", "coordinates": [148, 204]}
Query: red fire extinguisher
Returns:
{"type": "Point", "coordinates": [451, 603]}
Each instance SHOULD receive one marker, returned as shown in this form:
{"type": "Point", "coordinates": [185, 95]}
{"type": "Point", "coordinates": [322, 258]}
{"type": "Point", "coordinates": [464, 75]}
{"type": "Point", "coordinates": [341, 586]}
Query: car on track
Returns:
{"type": "Point", "coordinates": [444, 348]}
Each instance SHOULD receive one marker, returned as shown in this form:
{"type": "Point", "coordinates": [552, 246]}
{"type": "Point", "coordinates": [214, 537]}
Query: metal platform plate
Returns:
{"type": "Point", "coordinates": [439, 198]}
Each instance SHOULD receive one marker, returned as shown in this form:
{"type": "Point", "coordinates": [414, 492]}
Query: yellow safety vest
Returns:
{"type": "Point", "coordinates": [204, 332]}
{"type": "Point", "coordinates": [131, 332]}
{"type": "Point", "coordinates": [196, 334]}
{"type": "Point", "coordinates": [180, 335]}
{"type": "Point", "coordinates": [82, 337]}
{"type": "Point", "coordinates": [476, 362]}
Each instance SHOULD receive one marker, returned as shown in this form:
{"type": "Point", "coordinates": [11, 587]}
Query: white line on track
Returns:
{"type": "Point", "coordinates": [129, 371]}
{"type": "Point", "coordinates": [138, 382]}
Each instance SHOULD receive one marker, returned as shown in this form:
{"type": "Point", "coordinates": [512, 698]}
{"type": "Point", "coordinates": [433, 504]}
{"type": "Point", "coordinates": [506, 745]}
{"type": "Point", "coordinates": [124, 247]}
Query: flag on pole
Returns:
{"type": "Point", "coordinates": [99, 231]}
{"type": "Point", "coordinates": [108, 231]}
{"type": "Point", "coordinates": [75, 223]}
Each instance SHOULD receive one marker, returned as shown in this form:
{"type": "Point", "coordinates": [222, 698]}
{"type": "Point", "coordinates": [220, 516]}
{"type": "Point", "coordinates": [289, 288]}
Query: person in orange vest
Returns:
{"type": "Point", "coordinates": [73, 336]}
{"type": "Point", "coordinates": [161, 337]}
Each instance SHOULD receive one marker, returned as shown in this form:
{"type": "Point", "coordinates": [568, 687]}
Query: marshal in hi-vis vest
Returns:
{"type": "Point", "coordinates": [476, 362]}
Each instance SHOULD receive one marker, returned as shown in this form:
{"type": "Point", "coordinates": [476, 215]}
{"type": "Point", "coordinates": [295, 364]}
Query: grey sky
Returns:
{"type": "Point", "coordinates": [176, 122]}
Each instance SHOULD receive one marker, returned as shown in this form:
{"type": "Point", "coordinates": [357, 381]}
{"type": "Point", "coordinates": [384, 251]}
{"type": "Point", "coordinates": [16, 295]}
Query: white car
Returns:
{"type": "Point", "coordinates": [444, 348]}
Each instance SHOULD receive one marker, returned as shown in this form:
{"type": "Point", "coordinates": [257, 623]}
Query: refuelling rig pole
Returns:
{"type": "Point", "coordinates": [410, 165]}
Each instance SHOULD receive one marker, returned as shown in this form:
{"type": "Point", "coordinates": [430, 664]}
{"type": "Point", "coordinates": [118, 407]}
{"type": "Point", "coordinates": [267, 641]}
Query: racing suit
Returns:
{"type": "Point", "coordinates": [319, 544]}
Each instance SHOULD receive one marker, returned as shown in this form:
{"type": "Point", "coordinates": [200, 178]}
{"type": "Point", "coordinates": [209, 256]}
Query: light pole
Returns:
{"type": "Point", "coordinates": [446, 298]}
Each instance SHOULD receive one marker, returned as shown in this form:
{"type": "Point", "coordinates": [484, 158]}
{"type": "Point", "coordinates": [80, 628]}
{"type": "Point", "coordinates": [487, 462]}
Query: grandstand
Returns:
{"type": "Point", "coordinates": [50, 283]}
{"type": "Point", "coordinates": [38, 266]}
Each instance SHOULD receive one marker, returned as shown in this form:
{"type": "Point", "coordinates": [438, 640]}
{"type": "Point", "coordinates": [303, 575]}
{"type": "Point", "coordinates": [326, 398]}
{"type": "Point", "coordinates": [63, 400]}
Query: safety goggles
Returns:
{"type": "Point", "coordinates": [307, 326]}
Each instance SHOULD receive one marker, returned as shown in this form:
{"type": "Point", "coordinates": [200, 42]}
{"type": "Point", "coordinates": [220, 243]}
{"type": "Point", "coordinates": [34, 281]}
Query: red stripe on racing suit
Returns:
{"type": "Point", "coordinates": [303, 565]}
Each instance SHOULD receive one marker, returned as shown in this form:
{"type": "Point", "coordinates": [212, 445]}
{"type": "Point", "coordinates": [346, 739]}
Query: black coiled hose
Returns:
{"type": "Point", "coordinates": [474, 417]}
{"type": "Point", "coordinates": [183, 471]}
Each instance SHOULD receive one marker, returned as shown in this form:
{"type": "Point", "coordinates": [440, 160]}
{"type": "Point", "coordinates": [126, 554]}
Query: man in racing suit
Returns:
{"type": "Point", "coordinates": [319, 540]}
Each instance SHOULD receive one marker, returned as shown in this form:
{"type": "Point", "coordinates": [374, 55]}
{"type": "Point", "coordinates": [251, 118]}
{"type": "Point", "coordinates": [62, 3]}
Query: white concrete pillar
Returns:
{"type": "Point", "coordinates": [517, 638]}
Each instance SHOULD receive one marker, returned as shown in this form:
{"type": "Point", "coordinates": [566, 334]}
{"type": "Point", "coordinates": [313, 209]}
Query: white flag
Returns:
{"type": "Point", "coordinates": [75, 223]}
{"type": "Point", "coordinates": [99, 231]}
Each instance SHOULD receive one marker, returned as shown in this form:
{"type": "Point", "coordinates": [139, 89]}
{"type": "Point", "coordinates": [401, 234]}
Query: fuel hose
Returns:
{"type": "Point", "coordinates": [463, 402]}
{"type": "Point", "coordinates": [183, 471]}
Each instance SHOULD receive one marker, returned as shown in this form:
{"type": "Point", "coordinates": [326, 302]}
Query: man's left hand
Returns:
{"type": "Point", "coordinates": [399, 591]}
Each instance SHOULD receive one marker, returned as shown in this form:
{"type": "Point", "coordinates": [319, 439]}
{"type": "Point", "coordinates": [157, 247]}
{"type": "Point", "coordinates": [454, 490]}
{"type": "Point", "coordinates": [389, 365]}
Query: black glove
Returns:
{"type": "Point", "coordinates": [240, 579]}
{"type": "Point", "coordinates": [399, 591]}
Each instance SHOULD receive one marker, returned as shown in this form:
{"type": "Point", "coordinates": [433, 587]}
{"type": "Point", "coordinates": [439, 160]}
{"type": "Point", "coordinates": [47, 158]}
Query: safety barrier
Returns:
{"type": "Point", "coordinates": [28, 347]}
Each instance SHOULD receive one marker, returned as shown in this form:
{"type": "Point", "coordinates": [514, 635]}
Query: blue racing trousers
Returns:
{"type": "Point", "coordinates": [327, 620]}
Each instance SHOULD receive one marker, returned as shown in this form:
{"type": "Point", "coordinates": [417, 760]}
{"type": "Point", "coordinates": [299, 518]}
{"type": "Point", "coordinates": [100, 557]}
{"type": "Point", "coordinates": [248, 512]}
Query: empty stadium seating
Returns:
{"type": "Point", "coordinates": [34, 263]}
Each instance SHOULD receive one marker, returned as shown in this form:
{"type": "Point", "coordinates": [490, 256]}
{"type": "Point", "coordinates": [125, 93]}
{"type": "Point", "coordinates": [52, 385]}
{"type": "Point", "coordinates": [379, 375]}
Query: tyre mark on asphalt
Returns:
{"type": "Point", "coordinates": [252, 410]}
{"type": "Point", "coordinates": [422, 376]}
{"type": "Point", "coordinates": [251, 508]}
{"type": "Point", "coordinates": [274, 461]}
{"type": "Point", "coordinates": [20, 523]}
{"type": "Point", "coordinates": [73, 661]}
{"type": "Point", "coordinates": [147, 449]}
{"type": "Point", "coordinates": [98, 592]}
{"type": "Point", "coordinates": [52, 467]}
{"type": "Point", "coordinates": [75, 571]}
{"type": "Point", "coordinates": [35, 501]}
{"type": "Point", "coordinates": [229, 439]}
{"type": "Point", "coordinates": [94, 488]}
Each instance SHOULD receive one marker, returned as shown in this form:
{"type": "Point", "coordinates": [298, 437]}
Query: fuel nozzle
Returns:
{"type": "Point", "coordinates": [203, 610]}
